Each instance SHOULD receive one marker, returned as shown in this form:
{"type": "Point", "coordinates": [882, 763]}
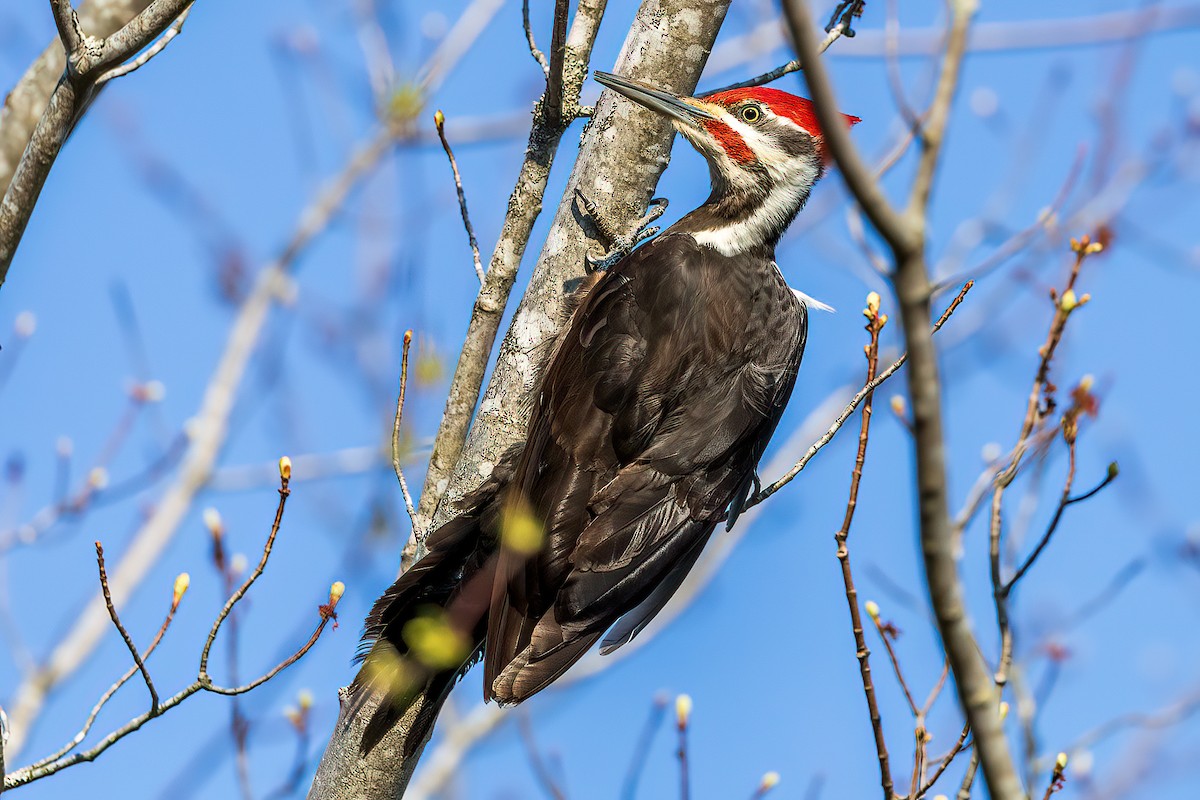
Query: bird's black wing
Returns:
{"type": "Point", "coordinates": [652, 415]}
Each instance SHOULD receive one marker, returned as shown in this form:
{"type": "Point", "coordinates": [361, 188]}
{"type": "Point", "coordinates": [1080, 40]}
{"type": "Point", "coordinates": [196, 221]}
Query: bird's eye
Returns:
{"type": "Point", "coordinates": [751, 114]}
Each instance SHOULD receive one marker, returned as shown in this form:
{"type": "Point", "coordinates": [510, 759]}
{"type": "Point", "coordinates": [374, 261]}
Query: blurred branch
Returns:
{"type": "Point", "coordinates": [88, 59]}
{"type": "Point", "coordinates": [905, 235]}
{"type": "Point", "coordinates": [60, 760]}
{"type": "Point", "coordinates": [683, 712]}
{"type": "Point", "coordinates": [207, 437]}
{"type": "Point", "coordinates": [641, 748]}
{"type": "Point", "coordinates": [987, 37]}
{"type": "Point", "coordinates": [540, 770]}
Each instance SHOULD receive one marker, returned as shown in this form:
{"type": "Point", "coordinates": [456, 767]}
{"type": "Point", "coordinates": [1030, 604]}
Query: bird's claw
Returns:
{"type": "Point", "coordinates": [620, 244]}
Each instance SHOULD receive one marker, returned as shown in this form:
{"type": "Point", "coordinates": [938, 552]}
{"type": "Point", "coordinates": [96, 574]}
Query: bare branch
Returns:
{"type": "Point", "coordinates": [544, 776]}
{"type": "Point", "coordinates": [905, 235]}
{"type": "Point", "coordinates": [112, 612]}
{"type": "Point", "coordinates": [875, 323]}
{"type": "Point", "coordinates": [67, 23]}
{"type": "Point", "coordinates": [537, 54]}
{"type": "Point", "coordinates": [439, 121]}
{"type": "Point", "coordinates": [945, 762]}
{"type": "Point", "coordinates": [794, 65]}
{"type": "Point", "coordinates": [209, 433]}
{"type": "Point", "coordinates": [153, 50]}
{"type": "Point", "coordinates": [60, 760]}
{"type": "Point", "coordinates": [554, 99]}
{"type": "Point", "coordinates": [87, 58]}
{"type": "Point", "coordinates": [851, 406]}
{"type": "Point", "coordinates": [408, 501]}
{"type": "Point", "coordinates": [285, 476]}
{"type": "Point", "coordinates": [524, 206]}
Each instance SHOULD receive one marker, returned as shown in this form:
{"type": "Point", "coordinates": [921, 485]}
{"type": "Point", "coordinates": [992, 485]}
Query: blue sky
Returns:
{"type": "Point", "coordinates": [252, 111]}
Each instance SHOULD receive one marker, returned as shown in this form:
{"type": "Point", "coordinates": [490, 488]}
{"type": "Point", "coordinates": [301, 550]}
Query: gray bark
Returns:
{"type": "Point", "coordinates": [24, 105]}
{"type": "Point", "coordinates": [625, 150]}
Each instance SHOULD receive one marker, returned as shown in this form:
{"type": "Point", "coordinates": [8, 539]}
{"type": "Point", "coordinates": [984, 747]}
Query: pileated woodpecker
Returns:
{"type": "Point", "coordinates": [647, 427]}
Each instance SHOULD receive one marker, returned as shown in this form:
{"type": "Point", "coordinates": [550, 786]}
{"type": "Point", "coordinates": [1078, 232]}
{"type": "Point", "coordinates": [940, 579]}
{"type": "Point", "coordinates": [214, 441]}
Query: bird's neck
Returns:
{"type": "Point", "coordinates": [750, 216]}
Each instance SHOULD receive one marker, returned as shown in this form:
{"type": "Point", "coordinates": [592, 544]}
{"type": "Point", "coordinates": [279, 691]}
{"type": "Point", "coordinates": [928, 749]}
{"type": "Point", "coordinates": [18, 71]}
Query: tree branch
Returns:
{"type": "Point", "coordinates": [87, 59]}
{"type": "Point", "coordinates": [905, 236]}
{"type": "Point", "coordinates": [875, 323]}
{"type": "Point", "coordinates": [524, 206]}
{"type": "Point", "coordinates": [112, 612]}
{"type": "Point", "coordinates": [207, 438]}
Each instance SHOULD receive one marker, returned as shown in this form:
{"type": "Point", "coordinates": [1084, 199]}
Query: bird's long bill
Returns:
{"type": "Point", "coordinates": [654, 99]}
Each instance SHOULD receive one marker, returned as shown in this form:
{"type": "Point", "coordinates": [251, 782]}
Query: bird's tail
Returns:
{"type": "Point", "coordinates": [428, 628]}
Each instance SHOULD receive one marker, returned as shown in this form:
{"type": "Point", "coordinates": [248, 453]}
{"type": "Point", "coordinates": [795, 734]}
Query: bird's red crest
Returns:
{"type": "Point", "coordinates": [798, 109]}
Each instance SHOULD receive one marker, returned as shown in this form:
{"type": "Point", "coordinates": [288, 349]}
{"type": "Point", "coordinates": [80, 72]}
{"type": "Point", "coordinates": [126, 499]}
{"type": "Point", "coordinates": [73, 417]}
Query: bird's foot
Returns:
{"type": "Point", "coordinates": [620, 243]}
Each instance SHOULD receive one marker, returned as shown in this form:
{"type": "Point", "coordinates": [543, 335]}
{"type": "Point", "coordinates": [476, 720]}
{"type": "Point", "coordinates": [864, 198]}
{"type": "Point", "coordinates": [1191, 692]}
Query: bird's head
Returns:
{"type": "Point", "coordinates": [764, 148]}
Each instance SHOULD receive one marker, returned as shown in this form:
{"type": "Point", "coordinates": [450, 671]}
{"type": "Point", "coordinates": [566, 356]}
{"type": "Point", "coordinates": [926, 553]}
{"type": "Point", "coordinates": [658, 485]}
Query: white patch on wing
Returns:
{"type": "Point", "coordinates": [808, 300]}
{"type": "Point", "coordinates": [812, 302]}
{"type": "Point", "coordinates": [791, 180]}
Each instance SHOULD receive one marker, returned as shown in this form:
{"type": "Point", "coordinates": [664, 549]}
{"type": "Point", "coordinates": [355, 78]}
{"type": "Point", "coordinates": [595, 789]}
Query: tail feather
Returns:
{"type": "Point", "coordinates": [458, 553]}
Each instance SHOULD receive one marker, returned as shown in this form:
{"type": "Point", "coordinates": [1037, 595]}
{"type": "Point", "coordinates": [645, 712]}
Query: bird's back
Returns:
{"type": "Point", "coordinates": [650, 420]}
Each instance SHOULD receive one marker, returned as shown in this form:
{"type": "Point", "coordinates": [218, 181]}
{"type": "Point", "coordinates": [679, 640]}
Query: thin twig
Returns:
{"type": "Point", "coordinates": [439, 121]}
{"type": "Point", "coordinates": [875, 323]}
{"type": "Point", "coordinates": [683, 713]}
{"type": "Point", "coordinates": [936, 691]}
{"type": "Point", "coordinates": [885, 635]}
{"type": "Point", "coordinates": [944, 763]}
{"type": "Point", "coordinates": [785, 69]}
{"type": "Point", "coordinates": [209, 434]}
{"type": "Point", "coordinates": [284, 492]}
{"type": "Point", "coordinates": [852, 405]}
{"type": "Point", "coordinates": [408, 502]}
{"type": "Point", "coordinates": [540, 770]}
{"type": "Point", "coordinates": [202, 682]}
{"type": "Point", "coordinates": [641, 749]}
{"type": "Point", "coordinates": [150, 52]}
{"type": "Point", "coordinates": [537, 54]}
{"type": "Point", "coordinates": [112, 690]}
{"type": "Point", "coordinates": [116, 618]}
{"type": "Point", "coordinates": [1064, 305]}
{"type": "Point", "coordinates": [1063, 502]}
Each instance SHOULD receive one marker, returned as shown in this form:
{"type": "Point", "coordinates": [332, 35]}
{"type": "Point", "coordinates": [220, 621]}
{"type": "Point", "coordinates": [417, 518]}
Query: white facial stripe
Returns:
{"type": "Point", "coordinates": [791, 177]}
